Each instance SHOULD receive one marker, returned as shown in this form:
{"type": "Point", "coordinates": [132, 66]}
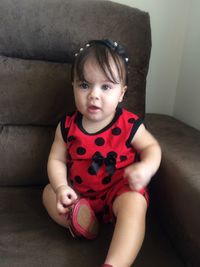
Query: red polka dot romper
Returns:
{"type": "Point", "coordinates": [96, 162]}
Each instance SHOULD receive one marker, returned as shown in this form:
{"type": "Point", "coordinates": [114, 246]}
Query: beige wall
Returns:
{"type": "Point", "coordinates": [171, 80]}
{"type": "Point", "coordinates": [187, 104]}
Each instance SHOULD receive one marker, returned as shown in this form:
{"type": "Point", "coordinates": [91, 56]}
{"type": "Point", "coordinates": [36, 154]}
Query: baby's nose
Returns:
{"type": "Point", "coordinates": [95, 92]}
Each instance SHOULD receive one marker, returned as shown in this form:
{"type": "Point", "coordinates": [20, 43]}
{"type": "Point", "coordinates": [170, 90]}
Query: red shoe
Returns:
{"type": "Point", "coordinates": [82, 220]}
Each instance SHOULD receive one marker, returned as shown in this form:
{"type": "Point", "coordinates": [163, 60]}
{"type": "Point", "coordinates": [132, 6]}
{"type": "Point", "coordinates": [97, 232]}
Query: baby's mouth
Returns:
{"type": "Point", "coordinates": [93, 108]}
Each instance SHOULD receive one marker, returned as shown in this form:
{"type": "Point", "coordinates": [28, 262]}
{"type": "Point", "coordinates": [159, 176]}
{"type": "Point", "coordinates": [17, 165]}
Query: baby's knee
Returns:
{"type": "Point", "coordinates": [130, 202]}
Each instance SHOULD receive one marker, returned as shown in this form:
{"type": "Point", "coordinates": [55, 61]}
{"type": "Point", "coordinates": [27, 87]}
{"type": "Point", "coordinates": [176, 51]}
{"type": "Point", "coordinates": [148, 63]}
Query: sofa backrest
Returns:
{"type": "Point", "coordinates": [38, 40]}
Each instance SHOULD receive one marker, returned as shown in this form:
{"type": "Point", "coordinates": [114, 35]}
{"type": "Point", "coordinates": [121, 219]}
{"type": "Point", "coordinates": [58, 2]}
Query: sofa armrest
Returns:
{"type": "Point", "coordinates": [176, 187]}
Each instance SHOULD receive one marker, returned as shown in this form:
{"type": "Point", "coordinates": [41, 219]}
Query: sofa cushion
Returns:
{"type": "Point", "coordinates": [24, 152]}
{"type": "Point", "coordinates": [177, 184]}
{"type": "Point", "coordinates": [34, 96]}
{"type": "Point", "coordinates": [30, 238]}
{"type": "Point", "coordinates": [34, 92]}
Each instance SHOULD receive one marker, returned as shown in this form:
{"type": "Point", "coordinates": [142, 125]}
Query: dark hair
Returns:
{"type": "Point", "coordinates": [102, 51]}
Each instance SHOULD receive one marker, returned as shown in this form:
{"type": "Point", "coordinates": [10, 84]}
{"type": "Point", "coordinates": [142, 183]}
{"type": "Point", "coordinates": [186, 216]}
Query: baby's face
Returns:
{"type": "Point", "coordinates": [97, 97]}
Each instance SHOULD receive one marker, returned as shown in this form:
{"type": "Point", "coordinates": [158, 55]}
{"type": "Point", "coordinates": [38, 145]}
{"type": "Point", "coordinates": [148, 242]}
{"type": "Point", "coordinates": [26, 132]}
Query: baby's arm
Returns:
{"type": "Point", "coordinates": [57, 172]}
{"type": "Point", "coordinates": [139, 174]}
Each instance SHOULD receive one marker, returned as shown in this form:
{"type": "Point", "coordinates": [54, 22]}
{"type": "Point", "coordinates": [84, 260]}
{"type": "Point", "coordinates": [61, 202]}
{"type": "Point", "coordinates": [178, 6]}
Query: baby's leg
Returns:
{"type": "Point", "coordinates": [130, 211]}
{"type": "Point", "coordinates": [49, 201]}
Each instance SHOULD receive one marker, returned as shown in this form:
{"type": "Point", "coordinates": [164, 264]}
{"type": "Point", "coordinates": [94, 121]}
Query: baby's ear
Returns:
{"type": "Point", "coordinates": [124, 89]}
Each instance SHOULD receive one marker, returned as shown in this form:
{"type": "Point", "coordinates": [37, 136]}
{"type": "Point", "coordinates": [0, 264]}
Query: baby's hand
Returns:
{"type": "Point", "coordinates": [65, 196]}
{"type": "Point", "coordinates": [138, 175]}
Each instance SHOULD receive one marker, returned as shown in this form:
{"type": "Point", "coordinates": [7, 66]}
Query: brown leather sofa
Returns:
{"type": "Point", "coordinates": [38, 39]}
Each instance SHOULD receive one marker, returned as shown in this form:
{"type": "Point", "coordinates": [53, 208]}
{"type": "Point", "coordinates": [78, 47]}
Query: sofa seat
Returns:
{"type": "Point", "coordinates": [29, 238]}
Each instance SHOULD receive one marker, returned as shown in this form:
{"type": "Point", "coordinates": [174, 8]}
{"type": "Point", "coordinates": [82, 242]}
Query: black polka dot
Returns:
{"type": "Point", "coordinates": [103, 197]}
{"type": "Point", "coordinates": [116, 131]}
{"type": "Point", "coordinates": [99, 141]}
{"type": "Point", "coordinates": [131, 120]}
{"type": "Point", "coordinates": [123, 158]}
{"type": "Point", "coordinates": [112, 154]}
{"type": "Point", "coordinates": [81, 151]}
{"type": "Point", "coordinates": [78, 179]}
{"type": "Point", "coordinates": [71, 138]}
{"type": "Point", "coordinates": [106, 180]}
{"type": "Point", "coordinates": [90, 191]}
{"type": "Point", "coordinates": [91, 171]}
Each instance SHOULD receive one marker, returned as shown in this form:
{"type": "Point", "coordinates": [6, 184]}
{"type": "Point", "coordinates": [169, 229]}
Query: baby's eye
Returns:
{"type": "Point", "coordinates": [84, 85]}
{"type": "Point", "coordinates": [105, 87]}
